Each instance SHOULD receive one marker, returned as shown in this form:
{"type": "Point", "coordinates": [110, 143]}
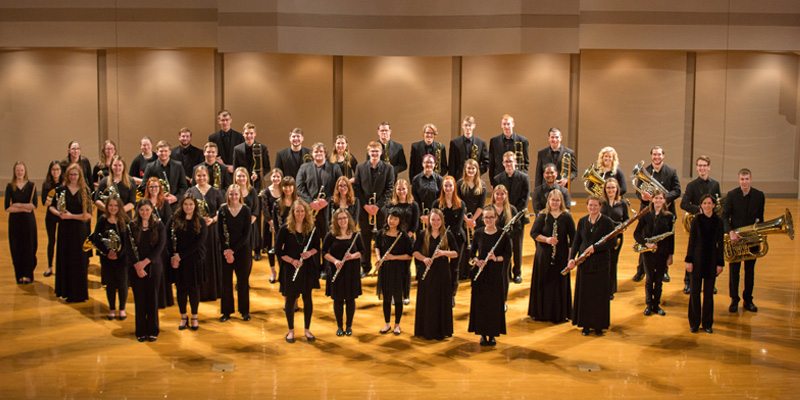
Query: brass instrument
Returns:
{"type": "Point", "coordinates": [225, 232]}
{"type": "Point", "coordinates": [258, 165]}
{"type": "Point", "coordinates": [61, 201]}
{"type": "Point", "coordinates": [566, 169]}
{"type": "Point", "coordinates": [174, 238]}
{"type": "Point", "coordinates": [305, 249]}
{"type": "Point", "coordinates": [202, 208]}
{"type": "Point", "coordinates": [386, 153]}
{"type": "Point", "coordinates": [470, 232]}
{"type": "Point", "coordinates": [346, 168]}
{"type": "Point", "coordinates": [380, 259]}
{"type": "Point", "coordinates": [505, 230]}
{"type": "Point", "coordinates": [640, 248]}
{"type": "Point", "coordinates": [307, 158]}
{"type": "Point", "coordinates": [320, 196]}
{"type": "Point", "coordinates": [134, 248]}
{"type": "Point", "coordinates": [646, 182]}
{"type": "Point", "coordinates": [349, 249]}
{"type": "Point", "coordinates": [520, 154]}
{"type": "Point", "coordinates": [441, 240]}
{"type": "Point", "coordinates": [217, 175]}
{"type": "Point", "coordinates": [373, 219]}
{"type": "Point", "coordinates": [438, 156]}
{"type": "Point", "coordinates": [110, 190]}
{"type": "Point", "coordinates": [110, 240]}
{"type": "Point", "coordinates": [756, 236]}
{"type": "Point", "coordinates": [555, 235]}
{"type": "Point", "coordinates": [165, 184]}
{"type": "Point", "coordinates": [425, 212]}
{"type": "Point", "coordinates": [474, 153]}
{"type": "Point", "coordinates": [595, 178]}
{"type": "Point", "coordinates": [688, 218]}
{"type": "Point", "coordinates": [619, 229]}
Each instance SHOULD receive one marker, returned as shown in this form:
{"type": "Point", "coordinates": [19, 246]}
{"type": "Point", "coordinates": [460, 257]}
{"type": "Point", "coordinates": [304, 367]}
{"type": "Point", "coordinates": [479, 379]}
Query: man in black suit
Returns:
{"type": "Point", "coordinates": [373, 177]}
{"type": "Point", "coordinates": [218, 175]}
{"type": "Point", "coordinates": [186, 154]}
{"type": "Point", "coordinates": [519, 190]}
{"type": "Point", "coordinates": [244, 156]}
{"type": "Point", "coordinates": [428, 146]}
{"type": "Point", "coordinates": [465, 147]}
{"type": "Point", "coordinates": [541, 192]}
{"type": "Point", "coordinates": [171, 170]}
{"type": "Point", "coordinates": [226, 139]}
{"type": "Point", "coordinates": [392, 152]}
{"type": "Point", "coordinates": [554, 154]}
{"type": "Point", "coordinates": [291, 158]}
{"type": "Point", "coordinates": [743, 206]}
{"type": "Point", "coordinates": [668, 178]}
{"type": "Point", "coordinates": [691, 198]}
{"type": "Point", "coordinates": [504, 142]}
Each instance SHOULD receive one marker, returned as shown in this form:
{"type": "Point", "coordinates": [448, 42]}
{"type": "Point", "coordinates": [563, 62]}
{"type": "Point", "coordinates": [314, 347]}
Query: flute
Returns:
{"type": "Point", "coordinates": [305, 249]}
{"type": "Point", "coordinates": [380, 260]}
{"type": "Point", "coordinates": [345, 256]}
{"type": "Point", "coordinates": [441, 240]}
{"type": "Point", "coordinates": [506, 228]}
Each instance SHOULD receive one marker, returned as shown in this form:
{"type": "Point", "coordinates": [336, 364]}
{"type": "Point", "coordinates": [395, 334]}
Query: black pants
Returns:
{"type": "Point", "coordinates": [701, 314]}
{"type": "Point", "coordinates": [640, 267]}
{"type": "Point", "coordinates": [654, 266]}
{"type": "Point", "coordinates": [50, 226]}
{"type": "Point", "coordinates": [308, 309]}
{"type": "Point", "coordinates": [387, 309]}
{"type": "Point", "coordinates": [339, 310]}
{"type": "Point", "coordinates": [516, 251]}
{"type": "Point", "coordinates": [146, 301]}
{"type": "Point", "coordinates": [242, 265]}
{"type": "Point", "coordinates": [749, 277]}
{"type": "Point", "coordinates": [193, 294]}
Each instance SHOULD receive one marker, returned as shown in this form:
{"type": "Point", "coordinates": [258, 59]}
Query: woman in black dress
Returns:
{"type": "Point", "coordinates": [148, 239]}
{"type": "Point", "coordinates": [344, 158]}
{"type": "Point", "coordinates": [73, 205]}
{"type": "Point", "coordinates": [553, 231]}
{"type": "Point", "coordinates": [403, 200]}
{"type": "Point", "coordinates": [342, 248]}
{"type": "Point", "coordinates": [102, 168]}
{"type": "Point", "coordinates": [188, 232]}
{"type": "Point", "coordinates": [119, 179]}
{"type": "Point", "coordinates": [658, 256]}
{"type": "Point", "coordinates": [268, 197]}
{"type": "Point", "coordinates": [608, 166]}
{"type": "Point", "coordinates": [20, 202]}
{"type": "Point", "coordinates": [113, 263]}
{"type": "Point", "coordinates": [162, 211]}
{"type": "Point", "coordinates": [344, 198]}
{"type": "Point", "coordinates": [592, 307]}
{"type": "Point", "coordinates": [486, 310]}
{"type": "Point", "coordinates": [234, 224]}
{"type": "Point", "coordinates": [296, 245]}
{"type": "Point", "coordinates": [250, 199]}
{"type": "Point", "coordinates": [393, 249]}
{"type": "Point", "coordinates": [453, 209]}
{"type": "Point", "coordinates": [472, 192]}
{"type": "Point", "coordinates": [280, 214]}
{"type": "Point", "coordinates": [505, 213]}
{"type": "Point", "coordinates": [209, 199]}
{"type": "Point", "coordinates": [434, 314]}
{"type": "Point", "coordinates": [704, 262]}
{"type": "Point", "coordinates": [74, 157]}
{"type": "Point", "coordinates": [51, 182]}
{"type": "Point", "coordinates": [616, 208]}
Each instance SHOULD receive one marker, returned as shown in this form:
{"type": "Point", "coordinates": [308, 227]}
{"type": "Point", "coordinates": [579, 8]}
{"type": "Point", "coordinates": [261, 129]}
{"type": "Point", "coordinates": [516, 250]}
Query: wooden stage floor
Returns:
{"type": "Point", "coordinates": [58, 350]}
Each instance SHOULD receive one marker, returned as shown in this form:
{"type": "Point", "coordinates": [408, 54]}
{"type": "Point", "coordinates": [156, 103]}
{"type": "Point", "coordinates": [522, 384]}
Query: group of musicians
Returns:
{"type": "Point", "coordinates": [195, 217]}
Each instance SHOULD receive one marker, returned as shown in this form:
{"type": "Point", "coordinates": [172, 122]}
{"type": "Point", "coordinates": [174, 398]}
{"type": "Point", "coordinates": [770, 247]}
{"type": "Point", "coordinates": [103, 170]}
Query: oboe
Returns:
{"type": "Point", "coordinates": [305, 249]}
{"type": "Point", "coordinates": [345, 256]}
{"type": "Point", "coordinates": [441, 240]}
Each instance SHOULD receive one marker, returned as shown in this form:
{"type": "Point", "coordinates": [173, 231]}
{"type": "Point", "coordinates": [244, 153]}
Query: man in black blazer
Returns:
{"type": "Point", "coordinates": [185, 153]}
{"type": "Point", "coordinates": [392, 152]}
{"type": "Point", "coordinates": [465, 147]}
{"type": "Point", "coordinates": [373, 177]}
{"type": "Point", "coordinates": [519, 190]}
{"type": "Point", "coordinates": [172, 170]}
{"type": "Point", "coordinates": [743, 206]}
{"type": "Point", "coordinates": [554, 154]}
{"type": "Point", "coordinates": [691, 198]}
{"type": "Point", "coordinates": [243, 157]}
{"type": "Point", "coordinates": [428, 146]}
{"type": "Point", "coordinates": [541, 192]}
{"type": "Point", "coordinates": [668, 178]}
{"type": "Point", "coordinates": [218, 175]}
{"type": "Point", "coordinates": [291, 158]}
{"type": "Point", "coordinates": [226, 139]}
{"type": "Point", "coordinates": [504, 142]}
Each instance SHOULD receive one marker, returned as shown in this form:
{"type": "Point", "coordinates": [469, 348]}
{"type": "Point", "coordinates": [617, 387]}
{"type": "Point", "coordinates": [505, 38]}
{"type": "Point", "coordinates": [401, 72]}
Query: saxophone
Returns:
{"type": "Point", "coordinates": [386, 153]}
{"type": "Point", "coordinates": [474, 153]}
{"type": "Point", "coordinates": [438, 156]}
{"type": "Point", "coordinates": [165, 184]}
{"type": "Point", "coordinates": [217, 175]}
{"type": "Point", "coordinates": [640, 248]}
{"type": "Point", "coordinates": [61, 201]}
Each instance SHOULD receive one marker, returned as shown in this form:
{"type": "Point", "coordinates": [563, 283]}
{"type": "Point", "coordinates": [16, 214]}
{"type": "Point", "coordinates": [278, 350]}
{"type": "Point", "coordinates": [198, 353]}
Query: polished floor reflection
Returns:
{"type": "Point", "coordinates": [57, 350]}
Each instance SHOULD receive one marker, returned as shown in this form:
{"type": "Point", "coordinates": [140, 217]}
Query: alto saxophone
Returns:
{"type": "Point", "coordinates": [217, 175]}
{"type": "Point", "coordinates": [438, 156]}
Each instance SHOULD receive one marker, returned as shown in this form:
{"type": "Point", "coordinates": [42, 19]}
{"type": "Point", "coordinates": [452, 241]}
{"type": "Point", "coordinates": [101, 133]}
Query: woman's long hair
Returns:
{"type": "Point", "coordinates": [426, 243]}
{"type": "Point", "coordinates": [49, 182]}
{"type": "Point", "coordinates": [125, 180]}
{"type": "Point", "coordinates": [103, 163]}
{"type": "Point", "coordinates": [287, 181]}
{"type": "Point", "coordinates": [351, 198]}
{"type": "Point", "coordinates": [479, 188]}
{"type": "Point", "coordinates": [152, 223]}
{"type": "Point", "coordinates": [14, 174]}
{"type": "Point", "coordinates": [443, 196]}
{"type": "Point", "coordinates": [179, 221]}
{"type": "Point", "coordinates": [555, 193]}
{"type": "Point", "coordinates": [506, 210]}
{"type": "Point", "coordinates": [605, 194]}
{"type": "Point", "coordinates": [652, 207]}
{"type": "Point", "coordinates": [409, 196]}
{"type": "Point", "coordinates": [247, 186]}
{"type": "Point", "coordinates": [83, 190]}
{"type": "Point", "coordinates": [308, 221]}
{"type": "Point", "coordinates": [122, 217]}
{"type": "Point", "coordinates": [160, 197]}
{"type": "Point", "coordinates": [335, 229]}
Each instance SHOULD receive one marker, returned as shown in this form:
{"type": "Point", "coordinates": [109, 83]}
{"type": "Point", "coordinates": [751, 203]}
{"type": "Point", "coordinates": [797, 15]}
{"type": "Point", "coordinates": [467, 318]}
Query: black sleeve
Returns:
{"type": "Point", "coordinates": [244, 239]}
{"type": "Point", "coordinates": [538, 226]}
{"type": "Point", "coordinates": [197, 244]}
{"type": "Point", "coordinates": [156, 251]}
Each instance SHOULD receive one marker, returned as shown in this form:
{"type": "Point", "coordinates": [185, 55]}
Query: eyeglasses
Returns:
{"type": "Point", "coordinates": [486, 218]}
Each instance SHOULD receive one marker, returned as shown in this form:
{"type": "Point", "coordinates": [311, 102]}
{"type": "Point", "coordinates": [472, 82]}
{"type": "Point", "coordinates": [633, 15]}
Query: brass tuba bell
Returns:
{"type": "Point", "coordinates": [756, 236]}
{"type": "Point", "coordinates": [591, 176]}
{"type": "Point", "coordinates": [643, 182]}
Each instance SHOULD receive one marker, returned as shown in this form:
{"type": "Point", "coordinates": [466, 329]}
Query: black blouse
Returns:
{"type": "Point", "coordinates": [234, 231]}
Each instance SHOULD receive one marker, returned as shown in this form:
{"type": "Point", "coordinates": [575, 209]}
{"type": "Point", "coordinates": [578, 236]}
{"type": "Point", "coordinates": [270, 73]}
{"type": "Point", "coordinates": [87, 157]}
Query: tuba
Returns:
{"type": "Point", "coordinates": [643, 182]}
{"type": "Point", "coordinates": [520, 154]}
{"type": "Point", "coordinates": [756, 236]}
{"type": "Point", "coordinates": [593, 177]}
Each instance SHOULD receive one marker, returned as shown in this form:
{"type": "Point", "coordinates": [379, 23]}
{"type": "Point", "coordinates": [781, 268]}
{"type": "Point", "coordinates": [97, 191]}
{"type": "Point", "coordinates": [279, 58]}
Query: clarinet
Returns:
{"type": "Point", "coordinates": [305, 249]}
{"type": "Point", "coordinates": [133, 243]}
{"type": "Point", "coordinates": [555, 235]}
{"type": "Point", "coordinates": [434, 251]}
{"type": "Point", "coordinates": [345, 256]}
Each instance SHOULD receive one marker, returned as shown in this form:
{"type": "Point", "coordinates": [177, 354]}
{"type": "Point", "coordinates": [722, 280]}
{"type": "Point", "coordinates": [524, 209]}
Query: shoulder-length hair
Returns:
{"type": "Point", "coordinates": [231, 188]}
{"type": "Point", "coordinates": [308, 221]}
{"type": "Point", "coordinates": [247, 186]}
{"type": "Point", "coordinates": [160, 196]}
{"type": "Point", "coordinates": [349, 197]}
{"type": "Point", "coordinates": [652, 206]}
{"type": "Point", "coordinates": [605, 194]}
{"type": "Point", "coordinates": [287, 181]}
{"type": "Point", "coordinates": [179, 221]}
{"type": "Point", "coordinates": [125, 180]}
{"type": "Point", "coordinates": [506, 209]}
{"type": "Point", "coordinates": [122, 217]}
{"type": "Point", "coordinates": [426, 243]}
{"type": "Point", "coordinates": [103, 161]}
{"type": "Point", "coordinates": [152, 223]}
{"type": "Point", "coordinates": [614, 162]}
{"type": "Point", "coordinates": [351, 225]}
{"type": "Point", "coordinates": [475, 181]}
{"type": "Point", "coordinates": [409, 196]}
{"type": "Point", "coordinates": [443, 196]}
{"type": "Point", "coordinates": [335, 153]}
{"type": "Point", "coordinates": [555, 193]}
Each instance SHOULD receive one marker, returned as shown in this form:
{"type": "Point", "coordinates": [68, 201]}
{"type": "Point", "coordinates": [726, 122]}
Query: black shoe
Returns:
{"type": "Point", "coordinates": [750, 307]}
{"type": "Point", "coordinates": [339, 332]}
{"type": "Point", "coordinates": [195, 327]}
{"type": "Point", "coordinates": [585, 332]}
{"type": "Point", "coordinates": [484, 342]}
{"type": "Point", "coordinates": [48, 272]}
{"type": "Point", "coordinates": [648, 311]}
{"type": "Point", "coordinates": [257, 256]}
{"type": "Point", "coordinates": [666, 277]}
{"type": "Point", "coordinates": [122, 317]}
{"type": "Point", "coordinates": [363, 274]}
{"type": "Point", "coordinates": [492, 342]}
{"type": "Point", "coordinates": [638, 277]}
{"type": "Point", "coordinates": [152, 338]}
{"type": "Point", "coordinates": [660, 311]}
{"type": "Point", "coordinates": [184, 323]}
{"type": "Point", "coordinates": [141, 338]}
{"type": "Point", "coordinates": [693, 330]}
{"type": "Point", "coordinates": [397, 333]}
{"type": "Point", "coordinates": [598, 332]}
{"type": "Point", "coordinates": [310, 338]}
{"type": "Point", "coordinates": [715, 290]}
{"type": "Point", "coordinates": [611, 297]}
{"type": "Point", "coordinates": [686, 289]}
{"type": "Point", "coordinates": [289, 339]}
{"type": "Point", "coordinates": [224, 317]}
{"type": "Point", "coordinates": [385, 330]}
{"type": "Point", "coordinates": [245, 317]}
{"type": "Point", "coordinates": [517, 279]}
{"type": "Point", "coordinates": [734, 306]}
{"type": "Point", "coordinates": [709, 330]}
{"type": "Point", "coordinates": [348, 332]}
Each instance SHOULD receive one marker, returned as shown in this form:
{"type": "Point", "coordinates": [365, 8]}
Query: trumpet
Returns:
{"type": "Point", "coordinates": [470, 233]}
{"type": "Point", "coordinates": [688, 218]}
{"type": "Point", "coordinates": [643, 182]}
{"type": "Point", "coordinates": [320, 196]}
{"type": "Point", "coordinates": [373, 219]}
{"type": "Point", "coordinates": [520, 154]}
{"type": "Point", "coordinates": [756, 236]}
{"type": "Point", "coordinates": [593, 177]}
{"type": "Point", "coordinates": [640, 248]}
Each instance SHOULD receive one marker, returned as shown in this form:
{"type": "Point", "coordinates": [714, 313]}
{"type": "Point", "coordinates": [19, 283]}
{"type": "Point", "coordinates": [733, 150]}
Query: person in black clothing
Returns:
{"type": "Point", "coordinates": [453, 210]}
{"type": "Point", "coordinates": [233, 226]}
{"type": "Point", "coordinates": [73, 205]}
{"type": "Point", "coordinates": [541, 192]}
{"type": "Point", "coordinates": [505, 213]}
{"type": "Point", "coordinates": [614, 206]}
{"type": "Point", "coordinates": [20, 202]}
{"type": "Point", "coordinates": [252, 156]}
{"type": "Point", "coordinates": [426, 188]}
{"type": "Point", "coordinates": [658, 256]}
{"type": "Point", "coordinates": [472, 192]}
{"type": "Point", "coordinates": [188, 232]}
{"type": "Point", "coordinates": [291, 158]}
{"type": "Point", "coordinates": [51, 182]}
{"type": "Point", "coordinates": [168, 170]}
{"type": "Point", "coordinates": [505, 142]}
{"type": "Point", "coordinates": [704, 262]}
{"type": "Point", "coordinates": [393, 249]}
{"type": "Point", "coordinates": [113, 263]}
{"type": "Point", "coordinates": [374, 179]}
{"type": "Point", "coordinates": [691, 198]}
{"type": "Point", "coordinates": [607, 165]}
{"type": "Point", "coordinates": [209, 200]}
{"type": "Point", "coordinates": [218, 175]}
{"type": "Point", "coordinates": [743, 206]}
{"type": "Point", "coordinates": [519, 189]}
{"type": "Point", "coordinates": [342, 248]}
{"type": "Point", "coordinates": [344, 158]}
{"type": "Point", "coordinates": [554, 154]}
{"type": "Point", "coordinates": [122, 186]}
{"type": "Point", "coordinates": [428, 146]}
{"type": "Point", "coordinates": [148, 238]}
{"type": "Point", "coordinates": [403, 202]}
{"type": "Point", "coordinates": [250, 199]}
{"type": "Point", "coordinates": [74, 157]}
{"type": "Point", "coordinates": [486, 311]}
{"type": "Point", "coordinates": [141, 160]}
{"type": "Point", "coordinates": [101, 169]}
{"type": "Point", "coordinates": [468, 147]}
{"type": "Point", "coordinates": [186, 153]}
{"type": "Point", "coordinates": [225, 139]}
{"type": "Point", "coordinates": [391, 152]}
{"type": "Point", "coordinates": [268, 198]}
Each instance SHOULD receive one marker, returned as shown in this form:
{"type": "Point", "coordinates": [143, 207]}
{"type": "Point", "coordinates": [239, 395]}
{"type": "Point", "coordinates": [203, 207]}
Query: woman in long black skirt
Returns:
{"type": "Point", "coordinates": [616, 208]}
{"type": "Point", "coordinates": [393, 249]}
{"type": "Point", "coordinates": [209, 200]}
{"type": "Point", "coordinates": [162, 211]}
{"type": "Point", "coordinates": [592, 307]}
{"type": "Point", "coordinates": [148, 238]}
{"type": "Point", "coordinates": [505, 213]}
{"type": "Point", "coordinates": [704, 262]}
{"type": "Point", "coordinates": [295, 247]}
{"type": "Point", "coordinates": [403, 200]}
{"type": "Point", "coordinates": [73, 205]}
{"type": "Point", "coordinates": [342, 248]}
{"type": "Point", "coordinates": [453, 210]}
{"type": "Point", "coordinates": [434, 315]}
{"type": "Point", "coordinates": [51, 182]}
{"type": "Point", "coordinates": [280, 214]}
{"type": "Point", "coordinates": [268, 198]}
{"type": "Point", "coordinates": [188, 232]}
{"type": "Point", "coordinates": [113, 263]}
{"type": "Point", "coordinates": [486, 310]}
{"type": "Point", "coordinates": [553, 230]}
{"type": "Point", "coordinates": [472, 192]}
{"type": "Point", "coordinates": [234, 224]}
{"type": "Point", "coordinates": [250, 199]}
{"type": "Point", "coordinates": [20, 202]}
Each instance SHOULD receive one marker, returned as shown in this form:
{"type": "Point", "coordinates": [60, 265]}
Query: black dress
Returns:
{"type": "Point", "coordinates": [22, 235]}
{"type": "Point", "coordinates": [516, 229]}
{"type": "Point", "coordinates": [190, 246]}
{"type": "Point", "coordinates": [347, 285]}
{"type": "Point", "coordinates": [454, 219]}
{"type": "Point", "coordinates": [486, 309]}
{"type": "Point", "coordinates": [592, 305]}
{"type": "Point", "coordinates": [211, 289]}
{"type": "Point", "coordinates": [50, 221]}
{"type": "Point", "coordinates": [114, 273]}
{"type": "Point", "coordinates": [164, 289]}
{"type": "Point", "coordinates": [348, 170]}
{"type": "Point", "coordinates": [434, 314]}
{"type": "Point", "coordinates": [393, 274]}
{"type": "Point", "coordinates": [619, 214]}
{"type": "Point", "coordinates": [278, 221]}
{"type": "Point", "coordinates": [126, 193]}
{"type": "Point", "coordinates": [254, 204]}
{"type": "Point", "coordinates": [410, 219]}
{"type": "Point", "coordinates": [71, 262]}
{"type": "Point", "coordinates": [292, 244]}
{"type": "Point", "coordinates": [551, 295]}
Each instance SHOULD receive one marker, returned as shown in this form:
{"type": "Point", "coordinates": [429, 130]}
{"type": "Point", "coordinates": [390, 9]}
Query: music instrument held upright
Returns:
{"type": "Point", "coordinates": [110, 239]}
{"type": "Point", "coordinates": [756, 236]}
{"type": "Point", "coordinates": [349, 249]}
{"type": "Point", "coordinates": [593, 181]}
{"type": "Point", "coordinates": [258, 164]}
{"type": "Point", "coordinates": [520, 155]}
{"type": "Point", "coordinates": [385, 155]}
{"type": "Point", "coordinates": [438, 156]}
{"type": "Point", "coordinates": [566, 169]}
{"type": "Point", "coordinates": [320, 196]}
{"type": "Point", "coordinates": [373, 219]}
{"type": "Point", "coordinates": [438, 246]}
{"type": "Point", "coordinates": [217, 176]}
{"type": "Point", "coordinates": [165, 184]}
{"type": "Point", "coordinates": [470, 232]}
{"type": "Point", "coordinates": [61, 201]}
{"type": "Point", "coordinates": [305, 249]}
{"type": "Point", "coordinates": [688, 218]}
{"type": "Point", "coordinates": [505, 230]}
{"type": "Point", "coordinates": [473, 153]}
{"type": "Point", "coordinates": [643, 182]}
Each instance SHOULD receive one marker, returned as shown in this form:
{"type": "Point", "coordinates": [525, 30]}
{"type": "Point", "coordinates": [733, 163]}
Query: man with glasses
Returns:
{"type": "Point", "coordinates": [465, 147]}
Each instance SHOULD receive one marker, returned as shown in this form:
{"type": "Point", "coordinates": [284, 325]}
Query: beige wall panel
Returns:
{"type": "Point", "coordinates": [47, 99]}
{"type": "Point", "coordinates": [632, 100]}
{"type": "Point", "coordinates": [638, 5]}
{"type": "Point", "coordinates": [653, 37]}
{"type": "Point", "coordinates": [167, 34]}
{"type": "Point", "coordinates": [247, 39]}
{"type": "Point", "coordinates": [247, 5]}
{"type": "Point", "coordinates": [765, 6]}
{"type": "Point", "coordinates": [549, 6]}
{"type": "Point", "coordinates": [550, 40]}
{"type": "Point", "coordinates": [765, 38]}
{"type": "Point", "coordinates": [57, 34]}
{"type": "Point", "coordinates": [160, 91]}
{"type": "Point", "coordinates": [406, 91]}
{"type": "Point", "coordinates": [709, 118]}
{"type": "Point", "coordinates": [412, 7]}
{"type": "Point", "coordinates": [279, 92]}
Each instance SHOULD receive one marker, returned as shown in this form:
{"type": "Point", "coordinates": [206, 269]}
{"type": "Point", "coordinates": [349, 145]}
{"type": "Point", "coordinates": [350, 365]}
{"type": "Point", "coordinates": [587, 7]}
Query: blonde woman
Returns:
{"type": "Point", "coordinates": [20, 202]}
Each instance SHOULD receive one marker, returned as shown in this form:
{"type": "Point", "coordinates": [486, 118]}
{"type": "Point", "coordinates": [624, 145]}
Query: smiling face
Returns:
{"type": "Point", "coordinates": [341, 146]}
{"type": "Point", "coordinates": [343, 221]}
{"type": "Point", "coordinates": [275, 178]}
{"type": "Point", "coordinates": [19, 171]}
{"type": "Point", "coordinates": [112, 207]}
{"type": "Point", "coordinates": [402, 192]}
{"type": "Point", "coordinates": [117, 166]}
{"type": "Point", "coordinates": [554, 202]}
{"type": "Point", "coordinates": [145, 211]}
{"type": "Point", "coordinates": [201, 177]}
{"type": "Point", "coordinates": [296, 139]}
{"type": "Point", "coordinates": [73, 176]}
{"type": "Point", "coordinates": [241, 178]}
{"type": "Point", "coordinates": [55, 171]}
{"type": "Point", "coordinates": [188, 207]}
{"type": "Point", "coordinates": [555, 140]}
{"type": "Point", "coordinates": [234, 196]}
{"type": "Point", "coordinates": [611, 190]}
{"type": "Point", "coordinates": [436, 221]}
{"type": "Point", "coordinates": [500, 196]}
{"type": "Point", "coordinates": [300, 213]}
{"type": "Point", "coordinates": [707, 206]}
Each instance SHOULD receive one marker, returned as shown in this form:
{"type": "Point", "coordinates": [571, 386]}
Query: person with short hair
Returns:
{"type": "Point", "coordinates": [168, 170]}
{"type": "Point", "coordinates": [428, 145]}
{"type": "Point", "coordinates": [391, 152]}
{"type": "Point", "coordinates": [291, 158]}
{"type": "Point", "coordinates": [468, 147]}
{"type": "Point", "coordinates": [225, 139]}
{"type": "Point", "coordinates": [507, 141]}
{"type": "Point", "coordinates": [186, 153]}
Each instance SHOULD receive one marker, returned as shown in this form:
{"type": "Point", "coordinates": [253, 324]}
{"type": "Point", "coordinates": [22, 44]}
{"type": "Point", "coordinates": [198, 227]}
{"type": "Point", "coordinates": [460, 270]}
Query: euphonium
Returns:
{"type": "Point", "coordinates": [217, 175]}
{"type": "Point", "coordinates": [593, 177]}
{"type": "Point", "coordinates": [688, 218]}
{"type": "Point", "coordinates": [373, 219]}
{"type": "Point", "coordinates": [756, 236]}
{"type": "Point", "coordinates": [646, 182]}
{"type": "Point", "coordinates": [518, 152]}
